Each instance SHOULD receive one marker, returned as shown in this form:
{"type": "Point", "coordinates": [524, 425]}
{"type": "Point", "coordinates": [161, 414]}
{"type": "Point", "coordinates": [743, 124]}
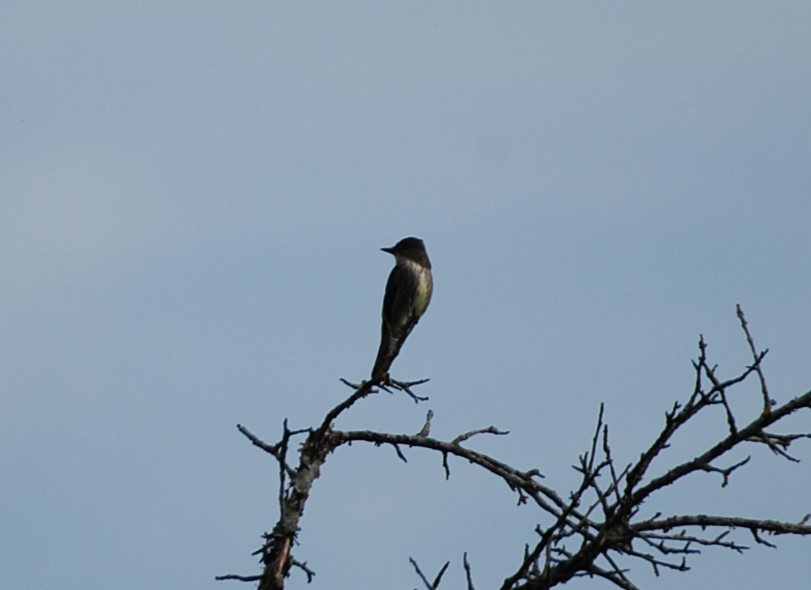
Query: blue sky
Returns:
{"type": "Point", "coordinates": [192, 201]}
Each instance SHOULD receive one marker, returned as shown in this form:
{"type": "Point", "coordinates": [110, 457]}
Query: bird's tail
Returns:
{"type": "Point", "coordinates": [385, 356]}
{"type": "Point", "coordinates": [390, 346]}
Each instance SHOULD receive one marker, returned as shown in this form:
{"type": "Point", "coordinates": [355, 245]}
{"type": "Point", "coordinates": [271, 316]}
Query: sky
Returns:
{"type": "Point", "coordinates": [192, 200]}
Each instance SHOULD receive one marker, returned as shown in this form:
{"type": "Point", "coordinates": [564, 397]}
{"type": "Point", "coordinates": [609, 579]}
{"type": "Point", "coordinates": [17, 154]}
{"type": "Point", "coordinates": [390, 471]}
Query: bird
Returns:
{"type": "Point", "coordinates": [408, 293]}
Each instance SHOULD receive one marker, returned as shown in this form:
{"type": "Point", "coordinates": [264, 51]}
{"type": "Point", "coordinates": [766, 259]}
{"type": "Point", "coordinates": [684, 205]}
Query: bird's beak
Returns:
{"type": "Point", "coordinates": [389, 250]}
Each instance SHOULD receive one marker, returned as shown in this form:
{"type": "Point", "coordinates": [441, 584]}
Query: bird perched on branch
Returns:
{"type": "Point", "coordinates": [408, 293]}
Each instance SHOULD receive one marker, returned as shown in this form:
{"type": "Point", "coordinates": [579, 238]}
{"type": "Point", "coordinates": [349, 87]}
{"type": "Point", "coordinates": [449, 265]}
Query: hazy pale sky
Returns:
{"type": "Point", "coordinates": [192, 200]}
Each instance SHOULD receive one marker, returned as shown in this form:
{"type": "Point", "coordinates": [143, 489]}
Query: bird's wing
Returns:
{"type": "Point", "coordinates": [399, 299]}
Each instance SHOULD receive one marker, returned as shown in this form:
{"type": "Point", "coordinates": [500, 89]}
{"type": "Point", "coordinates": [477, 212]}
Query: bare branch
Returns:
{"type": "Point", "coordinates": [420, 574]}
{"type": "Point", "coordinates": [278, 450]}
{"type": "Point", "coordinates": [757, 357]}
{"type": "Point", "coordinates": [726, 472]}
{"type": "Point", "coordinates": [406, 387]}
{"type": "Point", "coordinates": [468, 572]}
{"type": "Point", "coordinates": [593, 530]}
{"type": "Point", "coordinates": [523, 480]}
{"type": "Point", "coordinates": [437, 580]}
{"type": "Point", "coordinates": [704, 521]}
{"type": "Point", "coordinates": [751, 430]}
{"type": "Point", "coordinates": [426, 428]}
{"type": "Point", "coordinates": [238, 578]}
{"type": "Point", "coordinates": [489, 430]}
{"type": "Point", "coordinates": [307, 571]}
{"type": "Point", "coordinates": [616, 577]}
{"type": "Point", "coordinates": [441, 573]}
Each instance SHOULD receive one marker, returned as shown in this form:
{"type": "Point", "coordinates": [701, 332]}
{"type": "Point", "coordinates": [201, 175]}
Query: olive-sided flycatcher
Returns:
{"type": "Point", "coordinates": [408, 293]}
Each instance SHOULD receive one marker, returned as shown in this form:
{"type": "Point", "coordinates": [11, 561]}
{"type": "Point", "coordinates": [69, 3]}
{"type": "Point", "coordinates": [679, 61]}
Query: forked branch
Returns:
{"type": "Point", "coordinates": [594, 530]}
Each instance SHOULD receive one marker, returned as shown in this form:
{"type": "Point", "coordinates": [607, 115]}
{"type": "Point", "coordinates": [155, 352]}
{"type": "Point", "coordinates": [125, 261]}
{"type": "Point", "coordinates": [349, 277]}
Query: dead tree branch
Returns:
{"type": "Point", "coordinates": [594, 530]}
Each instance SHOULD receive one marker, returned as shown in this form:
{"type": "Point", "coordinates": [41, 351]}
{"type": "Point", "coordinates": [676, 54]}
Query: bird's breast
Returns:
{"type": "Point", "coordinates": [424, 290]}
